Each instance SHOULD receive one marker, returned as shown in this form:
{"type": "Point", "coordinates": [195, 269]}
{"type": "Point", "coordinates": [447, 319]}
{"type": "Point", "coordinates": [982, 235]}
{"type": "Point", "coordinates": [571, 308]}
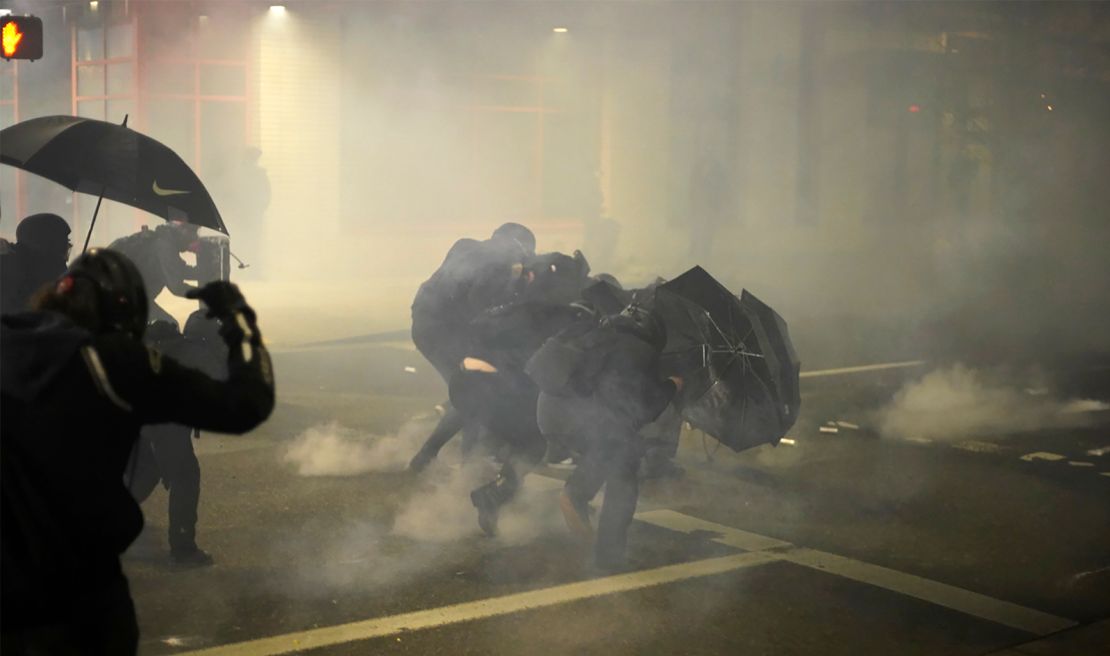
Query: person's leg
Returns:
{"type": "Point", "coordinates": [173, 446]}
{"type": "Point", "coordinates": [449, 424]}
{"type": "Point", "coordinates": [621, 494]}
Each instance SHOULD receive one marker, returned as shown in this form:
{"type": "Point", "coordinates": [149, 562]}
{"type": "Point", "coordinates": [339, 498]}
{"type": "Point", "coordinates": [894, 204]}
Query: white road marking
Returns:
{"type": "Point", "coordinates": [940, 594]}
{"type": "Point", "coordinates": [828, 429]}
{"type": "Point", "coordinates": [1104, 473]}
{"type": "Point", "coordinates": [860, 369]}
{"type": "Point", "coordinates": [1080, 463]}
{"type": "Point", "coordinates": [1099, 451]}
{"type": "Point", "coordinates": [485, 608]}
{"type": "Point", "coordinates": [1041, 455]}
{"type": "Point", "coordinates": [733, 537]}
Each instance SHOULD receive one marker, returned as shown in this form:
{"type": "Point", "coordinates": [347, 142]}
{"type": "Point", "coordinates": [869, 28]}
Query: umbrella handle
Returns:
{"type": "Point", "coordinates": [99, 200]}
{"type": "Point", "coordinates": [88, 236]}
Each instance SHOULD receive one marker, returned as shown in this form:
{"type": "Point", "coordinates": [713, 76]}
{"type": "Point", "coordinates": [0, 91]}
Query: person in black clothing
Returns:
{"type": "Point", "coordinates": [606, 400]}
{"type": "Point", "coordinates": [157, 254]}
{"type": "Point", "coordinates": [37, 257]}
{"type": "Point", "coordinates": [164, 452]}
{"type": "Point", "coordinates": [77, 383]}
{"type": "Point", "coordinates": [475, 276]}
{"type": "Point", "coordinates": [492, 388]}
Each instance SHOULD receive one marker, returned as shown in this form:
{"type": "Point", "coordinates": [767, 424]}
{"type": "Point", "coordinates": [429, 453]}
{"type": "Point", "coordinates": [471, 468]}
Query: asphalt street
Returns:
{"type": "Point", "coordinates": [841, 540]}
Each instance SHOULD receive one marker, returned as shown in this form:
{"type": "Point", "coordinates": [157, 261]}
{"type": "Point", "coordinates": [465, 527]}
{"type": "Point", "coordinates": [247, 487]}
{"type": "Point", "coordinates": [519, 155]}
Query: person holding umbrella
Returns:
{"type": "Point", "coordinates": [77, 365]}
{"type": "Point", "coordinates": [37, 257]}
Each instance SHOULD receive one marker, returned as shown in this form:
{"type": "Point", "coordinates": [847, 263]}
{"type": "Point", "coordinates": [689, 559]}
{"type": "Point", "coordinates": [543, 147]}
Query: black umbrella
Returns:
{"type": "Point", "coordinates": [110, 161]}
{"type": "Point", "coordinates": [739, 367]}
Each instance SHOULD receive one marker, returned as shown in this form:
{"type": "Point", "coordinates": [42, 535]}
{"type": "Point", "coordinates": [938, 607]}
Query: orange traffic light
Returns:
{"type": "Point", "coordinates": [21, 37]}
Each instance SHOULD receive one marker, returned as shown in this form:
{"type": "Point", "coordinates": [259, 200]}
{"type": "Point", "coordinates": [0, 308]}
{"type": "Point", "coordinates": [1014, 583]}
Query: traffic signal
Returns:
{"type": "Point", "coordinates": [21, 37]}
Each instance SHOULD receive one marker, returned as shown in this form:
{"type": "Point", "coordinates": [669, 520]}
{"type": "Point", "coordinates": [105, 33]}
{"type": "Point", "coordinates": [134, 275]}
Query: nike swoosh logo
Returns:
{"type": "Point", "coordinates": [167, 192]}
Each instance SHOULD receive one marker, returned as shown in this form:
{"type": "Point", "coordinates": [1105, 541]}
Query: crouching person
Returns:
{"type": "Point", "coordinates": [77, 384]}
{"type": "Point", "coordinates": [595, 403]}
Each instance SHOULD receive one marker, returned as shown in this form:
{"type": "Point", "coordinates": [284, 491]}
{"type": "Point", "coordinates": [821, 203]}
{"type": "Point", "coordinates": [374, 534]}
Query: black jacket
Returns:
{"type": "Point", "coordinates": [474, 276]}
{"type": "Point", "coordinates": [23, 270]}
{"type": "Point", "coordinates": [73, 404]}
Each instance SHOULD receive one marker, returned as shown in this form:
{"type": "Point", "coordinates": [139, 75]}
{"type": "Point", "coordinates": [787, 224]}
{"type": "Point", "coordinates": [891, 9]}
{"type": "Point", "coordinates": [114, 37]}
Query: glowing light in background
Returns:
{"type": "Point", "coordinates": [914, 108]}
{"type": "Point", "coordinates": [94, 5]}
{"type": "Point", "coordinates": [1048, 107]}
{"type": "Point", "coordinates": [277, 10]}
{"type": "Point", "coordinates": [11, 38]}
{"type": "Point", "coordinates": [560, 30]}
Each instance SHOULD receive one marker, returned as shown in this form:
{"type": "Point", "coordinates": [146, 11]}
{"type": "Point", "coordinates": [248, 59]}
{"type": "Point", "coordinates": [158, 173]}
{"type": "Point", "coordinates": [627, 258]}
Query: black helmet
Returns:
{"type": "Point", "coordinates": [121, 296]}
{"type": "Point", "coordinates": [42, 231]}
{"type": "Point", "coordinates": [517, 233]}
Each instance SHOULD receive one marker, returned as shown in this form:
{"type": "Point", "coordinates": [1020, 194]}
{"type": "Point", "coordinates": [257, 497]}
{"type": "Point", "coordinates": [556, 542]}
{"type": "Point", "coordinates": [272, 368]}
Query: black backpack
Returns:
{"type": "Point", "coordinates": [570, 362]}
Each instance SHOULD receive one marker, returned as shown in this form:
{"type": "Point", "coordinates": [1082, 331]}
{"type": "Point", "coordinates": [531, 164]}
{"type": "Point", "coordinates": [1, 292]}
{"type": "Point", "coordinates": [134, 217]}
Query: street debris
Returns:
{"type": "Point", "coordinates": [787, 440]}
{"type": "Point", "coordinates": [977, 446]}
{"type": "Point", "coordinates": [829, 429]}
{"type": "Point", "coordinates": [1080, 463]}
{"type": "Point", "coordinates": [847, 424]}
{"type": "Point", "coordinates": [1101, 451]}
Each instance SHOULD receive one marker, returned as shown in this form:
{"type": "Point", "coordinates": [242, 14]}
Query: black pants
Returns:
{"type": "Point", "coordinates": [165, 453]}
{"type": "Point", "coordinates": [443, 345]}
{"type": "Point", "coordinates": [101, 624]}
{"type": "Point", "coordinates": [612, 461]}
{"type": "Point", "coordinates": [505, 403]}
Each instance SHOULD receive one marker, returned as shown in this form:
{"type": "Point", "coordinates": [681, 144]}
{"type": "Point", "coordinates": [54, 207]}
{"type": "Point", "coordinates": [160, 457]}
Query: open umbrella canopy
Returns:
{"type": "Point", "coordinates": [113, 161]}
{"type": "Point", "coordinates": [739, 367]}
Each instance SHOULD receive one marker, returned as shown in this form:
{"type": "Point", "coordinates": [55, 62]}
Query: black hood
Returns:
{"type": "Point", "coordinates": [34, 347]}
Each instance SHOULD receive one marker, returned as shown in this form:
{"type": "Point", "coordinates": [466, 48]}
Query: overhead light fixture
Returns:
{"type": "Point", "coordinates": [560, 30]}
{"type": "Point", "coordinates": [277, 9]}
{"type": "Point", "coordinates": [5, 12]}
{"type": "Point", "coordinates": [94, 5]}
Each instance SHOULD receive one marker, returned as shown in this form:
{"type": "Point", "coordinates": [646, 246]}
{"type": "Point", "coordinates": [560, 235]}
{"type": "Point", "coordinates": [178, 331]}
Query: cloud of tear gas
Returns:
{"type": "Point", "coordinates": [334, 450]}
{"type": "Point", "coordinates": [441, 511]}
{"type": "Point", "coordinates": [957, 402]}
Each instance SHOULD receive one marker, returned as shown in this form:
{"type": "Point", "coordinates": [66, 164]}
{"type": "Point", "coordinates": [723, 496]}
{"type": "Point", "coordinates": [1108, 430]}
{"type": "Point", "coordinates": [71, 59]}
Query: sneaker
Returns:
{"type": "Point", "coordinates": [190, 558]}
{"type": "Point", "coordinates": [487, 510]}
{"type": "Point", "coordinates": [577, 517]}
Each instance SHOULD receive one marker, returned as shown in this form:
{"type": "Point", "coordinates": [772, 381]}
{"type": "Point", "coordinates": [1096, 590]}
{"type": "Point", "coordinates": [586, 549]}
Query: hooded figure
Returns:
{"type": "Point", "coordinates": [37, 257]}
{"type": "Point", "coordinates": [613, 392]}
{"type": "Point", "coordinates": [475, 276]}
{"type": "Point", "coordinates": [77, 383]}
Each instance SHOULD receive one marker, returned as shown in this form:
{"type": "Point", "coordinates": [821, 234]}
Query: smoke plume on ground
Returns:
{"type": "Point", "coordinates": [334, 450]}
{"type": "Point", "coordinates": [957, 402]}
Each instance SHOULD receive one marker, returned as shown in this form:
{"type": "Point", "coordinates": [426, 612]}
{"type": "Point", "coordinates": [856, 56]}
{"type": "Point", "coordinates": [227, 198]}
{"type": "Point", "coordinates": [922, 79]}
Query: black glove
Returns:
{"type": "Point", "coordinates": [223, 300]}
{"type": "Point", "coordinates": [238, 324]}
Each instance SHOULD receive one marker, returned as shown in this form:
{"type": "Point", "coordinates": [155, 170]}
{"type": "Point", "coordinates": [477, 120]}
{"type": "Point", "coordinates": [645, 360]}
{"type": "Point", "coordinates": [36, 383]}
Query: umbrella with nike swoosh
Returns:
{"type": "Point", "coordinates": [111, 161]}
